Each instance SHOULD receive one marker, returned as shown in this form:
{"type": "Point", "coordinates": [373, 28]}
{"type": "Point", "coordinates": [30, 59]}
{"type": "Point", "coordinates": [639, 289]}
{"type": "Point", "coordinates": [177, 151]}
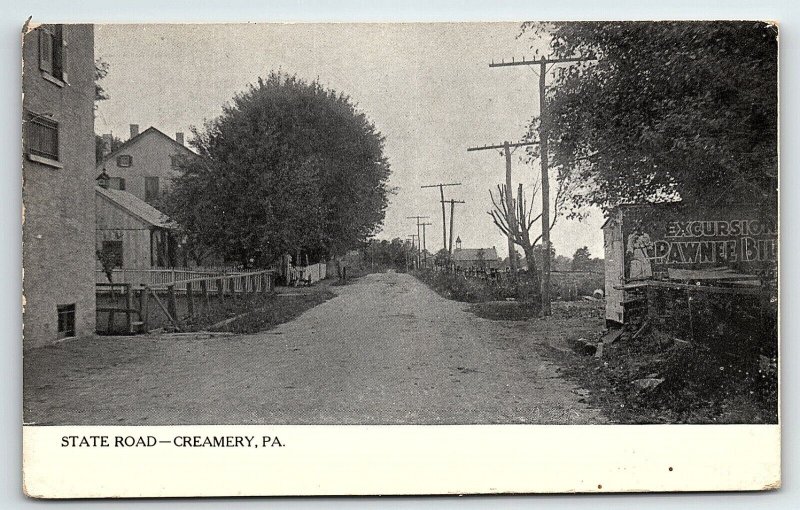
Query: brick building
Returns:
{"type": "Point", "coordinates": [58, 183]}
{"type": "Point", "coordinates": [145, 164]}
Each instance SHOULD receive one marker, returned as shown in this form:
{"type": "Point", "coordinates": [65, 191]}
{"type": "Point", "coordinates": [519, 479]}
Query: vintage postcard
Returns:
{"type": "Point", "coordinates": [419, 258]}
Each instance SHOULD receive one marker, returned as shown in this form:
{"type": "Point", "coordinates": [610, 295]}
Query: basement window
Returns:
{"type": "Point", "coordinates": [66, 320]}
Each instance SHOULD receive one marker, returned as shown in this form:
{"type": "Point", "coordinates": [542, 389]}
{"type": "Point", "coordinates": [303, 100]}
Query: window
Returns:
{"type": "Point", "coordinates": [66, 320]}
{"type": "Point", "coordinates": [53, 52]}
{"type": "Point", "coordinates": [125, 160]}
{"type": "Point", "coordinates": [42, 138]}
{"type": "Point", "coordinates": [150, 189]}
{"type": "Point", "coordinates": [175, 162]}
{"type": "Point", "coordinates": [114, 251]}
{"type": "Point", "coordinates": [117, 183]}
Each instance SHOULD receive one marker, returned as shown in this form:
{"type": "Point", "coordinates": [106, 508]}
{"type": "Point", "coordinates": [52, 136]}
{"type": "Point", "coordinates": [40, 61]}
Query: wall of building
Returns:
{"type": "Point", "coordinates": [59, 222]}
{"type": "Point", "coordinates": [151, 155]}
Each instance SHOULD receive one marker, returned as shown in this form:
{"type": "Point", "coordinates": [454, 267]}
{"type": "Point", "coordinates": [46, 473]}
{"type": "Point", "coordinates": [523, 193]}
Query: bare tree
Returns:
{"type": "Point", "coordinates": [519, 228]}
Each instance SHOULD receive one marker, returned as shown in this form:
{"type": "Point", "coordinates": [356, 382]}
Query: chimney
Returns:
{"type": "Point", "coordinates": [106, 144]}
{"type": "Point", "coordinates": [134, 130]}
{"type": "Point", "coordinates": [179, 137]}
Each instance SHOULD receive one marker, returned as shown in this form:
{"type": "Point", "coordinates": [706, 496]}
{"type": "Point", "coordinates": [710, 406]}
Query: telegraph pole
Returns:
{"type": "Point", "coordinates": [512, 222]}
{"type": "Point", "coordinates": [452, 215]}
{"type": "Point", "coordinates": [543, 63]}
{"type": "Point", "coordinates": [415, 245]}
{"type": "Point", "coordinates": [419, 247]}
{"type": "Point", "coordinates": [444, 219]}
{"type": "Point", "coordinates": [424, 249]}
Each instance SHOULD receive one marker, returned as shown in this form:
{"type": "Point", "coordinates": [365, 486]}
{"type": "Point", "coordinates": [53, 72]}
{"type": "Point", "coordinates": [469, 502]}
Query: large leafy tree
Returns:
{"type": "Point", "coordinates": [288, 167]}
{"type": "Point", "coordinates": [668, 110]}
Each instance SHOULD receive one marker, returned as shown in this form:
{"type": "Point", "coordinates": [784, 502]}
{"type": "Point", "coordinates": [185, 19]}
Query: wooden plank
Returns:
{"type": "Point", "coordinates": [708, 274]}
{"type": "Point", "coordinates": [165, 310]}
{"type": "Point", "coordinates": [709, 288]}
{"type": "Point", "coordinates": [172, 302]}
{"type": "Point", "coordinates": [189, 299]}
{"type": "Point", "coordinates": [204, 292]}
{"type": "Point", "coordinates": [129, 306]}
{"type": "Point", "coordinates": [221, 289]}
{"type": "Point", "coordinates": [144, 308]}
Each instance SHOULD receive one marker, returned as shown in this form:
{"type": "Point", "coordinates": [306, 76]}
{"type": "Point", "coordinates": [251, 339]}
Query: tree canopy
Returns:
{"type": "Point", "coordinates": [289, 166]}
{"type": "Point", "coordinates": [666, 111]}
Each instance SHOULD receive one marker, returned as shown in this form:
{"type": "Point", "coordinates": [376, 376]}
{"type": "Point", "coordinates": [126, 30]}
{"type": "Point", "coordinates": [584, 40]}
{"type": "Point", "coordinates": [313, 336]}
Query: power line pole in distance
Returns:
{"type": "Point", "coordinates": [512, 222]}
{"type": "Point", "coordinates": [452, 215]}
{"type": "Point", "coordinates": [543, 63]}
{"type": "Point", "coordinates": [444, 219]}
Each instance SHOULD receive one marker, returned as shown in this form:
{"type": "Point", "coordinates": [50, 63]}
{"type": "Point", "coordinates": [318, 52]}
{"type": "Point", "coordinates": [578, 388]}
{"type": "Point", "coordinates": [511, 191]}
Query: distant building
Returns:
{"type": "Point", "coordinates": [481, 258]}
{"type": "Point", "coordinates": [138, 235]}
{"type": "Point", "coordinates": [59, 151]}
{"type": "Point", "coordinates": [145, 164]}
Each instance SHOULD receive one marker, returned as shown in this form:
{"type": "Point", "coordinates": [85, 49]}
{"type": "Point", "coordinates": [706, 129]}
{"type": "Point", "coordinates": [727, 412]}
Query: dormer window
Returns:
{"type": "Point", "coordinates": [124, 160]}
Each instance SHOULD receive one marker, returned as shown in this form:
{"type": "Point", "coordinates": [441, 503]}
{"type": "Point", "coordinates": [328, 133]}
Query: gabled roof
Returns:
{"type": "Point", "coordinates": [129, 143]}
{"type": "Point", "coordinates": [465, 254]}
{"type": "Point", "coordinates": [136, 207]}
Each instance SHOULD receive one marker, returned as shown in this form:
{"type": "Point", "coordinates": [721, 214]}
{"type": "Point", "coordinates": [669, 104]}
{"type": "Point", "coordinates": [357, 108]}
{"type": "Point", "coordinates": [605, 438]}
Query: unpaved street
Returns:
{"type": "Point", "coordinates": [386, 350]}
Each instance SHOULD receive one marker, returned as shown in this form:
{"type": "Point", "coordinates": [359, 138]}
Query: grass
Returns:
{"type": "Point", "coordinates": [505, 310]}
{"type": "Point", "coordinates": [476, 290]}
{"type": "Point", "coordinates": [260, 312]}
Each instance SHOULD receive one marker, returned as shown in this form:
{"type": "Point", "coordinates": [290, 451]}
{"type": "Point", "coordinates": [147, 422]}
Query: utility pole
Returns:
{"type": "Point", "coordinates": [424, 249]}
{"type": "Point", "coordinates": [452, 214]}
{"type": "Point", "coordinates": [543, 63]}
{"type": "Point", "coordinates": [411, 240]}
{"type": "Point", "coordinates": [512, 222]}
{"type": "Point", "coordinates": [444, 219]}
{"type": "Point", "coordinates": [415, 245]}
{"type": "Point", "coordinates": [419, 247]}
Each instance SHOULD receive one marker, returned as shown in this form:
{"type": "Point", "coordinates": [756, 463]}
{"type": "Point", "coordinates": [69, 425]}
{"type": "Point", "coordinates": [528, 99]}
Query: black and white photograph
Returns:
{"type": "Point", "coordinates": [394, 224]}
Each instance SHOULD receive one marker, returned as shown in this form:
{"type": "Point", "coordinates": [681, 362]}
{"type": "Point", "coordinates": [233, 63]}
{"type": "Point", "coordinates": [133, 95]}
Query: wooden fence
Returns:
{"type": "Point", "coordinates": [164, 276]}
{"type": "Point", "coordinates": [313, 272]}
{"type": "Point", "coordinates": [195, 295]}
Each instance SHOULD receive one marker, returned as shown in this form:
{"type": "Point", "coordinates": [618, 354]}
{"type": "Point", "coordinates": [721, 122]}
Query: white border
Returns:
{"type": "Point", "coordinates": [343, 10]}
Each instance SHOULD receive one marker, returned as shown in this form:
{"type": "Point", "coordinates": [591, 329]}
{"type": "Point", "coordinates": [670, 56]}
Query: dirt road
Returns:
{"type": "Point", "coordinates": [386, 350]}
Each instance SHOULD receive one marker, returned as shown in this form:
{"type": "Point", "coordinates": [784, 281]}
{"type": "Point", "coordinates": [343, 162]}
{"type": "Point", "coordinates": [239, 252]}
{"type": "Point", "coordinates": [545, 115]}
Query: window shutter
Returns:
{"type": "Point", "coordinates": [63, 76]}
{"type": "Point", "coordinates": [45, 50]}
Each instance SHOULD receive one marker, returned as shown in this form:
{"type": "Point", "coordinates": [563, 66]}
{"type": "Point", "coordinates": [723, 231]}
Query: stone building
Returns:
{"type": "Point", "coordinates": [145, 164]}
{"type": "Point", "coordinates": [58, 183]}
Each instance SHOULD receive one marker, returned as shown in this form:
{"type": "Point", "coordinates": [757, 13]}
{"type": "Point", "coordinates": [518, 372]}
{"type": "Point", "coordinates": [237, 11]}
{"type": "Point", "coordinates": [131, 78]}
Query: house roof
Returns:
{"type": "Point", "coordinates": [127, 144]}
{"type": "Point", "coordinates": [470, 254]}
{"type": "Point", "coordinates": [136, 207]}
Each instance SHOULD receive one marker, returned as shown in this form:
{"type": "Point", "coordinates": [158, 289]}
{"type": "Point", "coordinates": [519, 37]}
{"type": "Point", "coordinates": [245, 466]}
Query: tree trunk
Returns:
{"type": "Point", "coordinates": [533, 275]}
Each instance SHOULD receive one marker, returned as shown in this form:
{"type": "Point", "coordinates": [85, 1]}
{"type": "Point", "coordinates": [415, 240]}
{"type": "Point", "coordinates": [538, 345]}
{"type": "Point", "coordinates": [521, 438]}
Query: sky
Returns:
{"type": "Point", "coordinates": [426, 87]}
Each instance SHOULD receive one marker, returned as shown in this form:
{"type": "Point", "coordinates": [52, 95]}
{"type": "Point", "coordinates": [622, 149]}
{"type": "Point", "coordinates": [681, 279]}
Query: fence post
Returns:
{"type": "Point", "coordinates": [172, 302]}
{"type": "Point", "coordinates": [189, 299]}
{"type": "Point", "coordinates": [128, 307]}
{"type": "Point", "coordinates": [204, 291]}
{"type": "Point", "coordinates": [221, 289]}
{"type": "Point", "coordinates": [264, 283]}
{"type": "Point", "coordinates": [144, 310]}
